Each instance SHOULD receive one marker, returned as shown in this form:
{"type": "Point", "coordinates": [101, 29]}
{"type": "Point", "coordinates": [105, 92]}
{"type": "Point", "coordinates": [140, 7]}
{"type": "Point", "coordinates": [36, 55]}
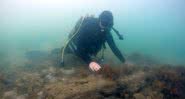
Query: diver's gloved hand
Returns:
{"type": "Point", "coordinates": [94, 66]}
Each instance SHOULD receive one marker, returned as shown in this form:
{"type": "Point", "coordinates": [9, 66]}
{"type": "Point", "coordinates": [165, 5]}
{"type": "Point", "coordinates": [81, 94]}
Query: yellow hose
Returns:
{"type": "Point", "coordinates": [63, 50]}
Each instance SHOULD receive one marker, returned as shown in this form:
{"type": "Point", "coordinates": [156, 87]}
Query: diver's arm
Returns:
{"type": "Point", "coordinates": [94, 66]}
{"type": "Point", "coordinates": [114, 48]}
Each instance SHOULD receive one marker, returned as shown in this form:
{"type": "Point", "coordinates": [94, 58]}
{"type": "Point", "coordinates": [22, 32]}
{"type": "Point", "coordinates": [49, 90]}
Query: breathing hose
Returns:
{"type": "Point", "coordinates": [76, 32]}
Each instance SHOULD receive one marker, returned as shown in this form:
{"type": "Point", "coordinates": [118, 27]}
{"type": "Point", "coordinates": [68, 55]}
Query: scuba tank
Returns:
{"type": "Point", "coordinates": [71, 36]}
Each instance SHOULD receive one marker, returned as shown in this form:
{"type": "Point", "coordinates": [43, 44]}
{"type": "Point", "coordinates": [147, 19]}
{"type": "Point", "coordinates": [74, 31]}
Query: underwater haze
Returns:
{"type": "Point", "coordinates": [151, 27]}
{"type": "Point", "coordinates": [153, 45]}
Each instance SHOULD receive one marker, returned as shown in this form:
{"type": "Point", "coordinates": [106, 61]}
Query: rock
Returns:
{"type": "Point", "coordinates": [52, 70]}
{"type": "Point", "coordinates": [21, 97]}
{"type": "Point", "coordinates": [77, 88]}
{"type": "Point", "coordinates": [67, 71]}
{"type": "Point", "coordinates": [40, 95]}
{"type": "Point", "coordinates": [50, 78]}
{"type": "Point", "coordinates": [29, 83]}
{"type": "Point", "coordinates": [13, 95]}
{"type": "Point", "coordinates": [139, 96]}
{"type": "Point", "coordinates": [10, 95]}
{"type": "Point", "coordinates": [134, 81]}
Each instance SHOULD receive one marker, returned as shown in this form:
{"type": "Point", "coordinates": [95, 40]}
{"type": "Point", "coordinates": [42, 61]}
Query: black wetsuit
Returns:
{"type": "Point", "coordinates": [90, 39]}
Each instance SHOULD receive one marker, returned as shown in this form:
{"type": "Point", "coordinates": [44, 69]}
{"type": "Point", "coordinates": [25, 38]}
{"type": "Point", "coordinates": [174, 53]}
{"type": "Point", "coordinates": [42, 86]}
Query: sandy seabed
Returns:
{"type": "Point", "coordinates": [138, 79]}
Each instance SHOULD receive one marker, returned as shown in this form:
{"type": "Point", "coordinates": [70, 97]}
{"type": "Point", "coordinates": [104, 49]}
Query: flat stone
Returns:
{"type": "Point", "coordinates": [139, 96]}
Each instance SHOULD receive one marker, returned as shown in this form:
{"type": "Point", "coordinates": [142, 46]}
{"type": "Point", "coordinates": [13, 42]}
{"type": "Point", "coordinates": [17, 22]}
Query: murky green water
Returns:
{"type": "Point", "coordinates": [154, 36]}
{"type": "Point", "coordinates": [154, 27]}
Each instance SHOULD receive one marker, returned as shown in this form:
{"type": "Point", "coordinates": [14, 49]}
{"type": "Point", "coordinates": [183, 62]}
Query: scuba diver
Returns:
{"type": "Point", "coordinates": [89, 36]}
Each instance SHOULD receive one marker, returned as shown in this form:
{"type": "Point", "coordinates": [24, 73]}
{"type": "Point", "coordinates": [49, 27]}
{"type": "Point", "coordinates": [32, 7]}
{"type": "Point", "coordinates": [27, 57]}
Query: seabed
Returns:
{"type": "Point", "coordinates": [140, 78]}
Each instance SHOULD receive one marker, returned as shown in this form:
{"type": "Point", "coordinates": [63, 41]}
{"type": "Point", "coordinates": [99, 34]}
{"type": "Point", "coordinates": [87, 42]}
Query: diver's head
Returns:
{"type": "Point", "coordinates": [106, 20]}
